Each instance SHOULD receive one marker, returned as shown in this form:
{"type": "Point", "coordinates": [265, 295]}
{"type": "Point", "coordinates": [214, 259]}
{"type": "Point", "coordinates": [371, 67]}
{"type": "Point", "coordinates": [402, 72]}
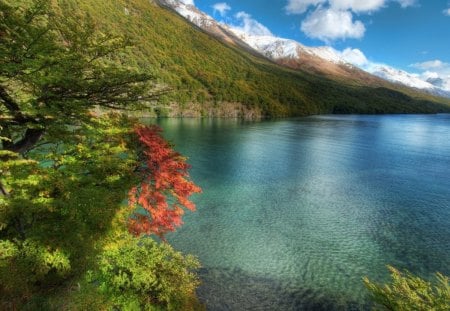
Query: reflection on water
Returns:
{"type": "Point", "coordinates": [295, 212]}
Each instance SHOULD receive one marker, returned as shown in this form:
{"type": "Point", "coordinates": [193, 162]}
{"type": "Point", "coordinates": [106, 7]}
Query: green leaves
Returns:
{"type": "Point", "coordinates": [65, 171]}
{"type": "Point", "coordinates": [55, 68]}
{"type": "Point", "coordinates": [408, 292]}
{"type": "Point", "coordinates": [148, 273]}
{"type": "Point", "coordinates": [62, 202]}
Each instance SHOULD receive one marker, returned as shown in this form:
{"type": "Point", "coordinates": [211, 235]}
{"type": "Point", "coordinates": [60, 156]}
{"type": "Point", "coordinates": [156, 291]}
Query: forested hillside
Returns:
{"type": "Point", "coordinates": [204, 73]}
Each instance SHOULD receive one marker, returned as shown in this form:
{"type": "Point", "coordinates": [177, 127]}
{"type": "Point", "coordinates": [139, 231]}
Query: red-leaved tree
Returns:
{"type": "Point", "coordinates": [165, 188]}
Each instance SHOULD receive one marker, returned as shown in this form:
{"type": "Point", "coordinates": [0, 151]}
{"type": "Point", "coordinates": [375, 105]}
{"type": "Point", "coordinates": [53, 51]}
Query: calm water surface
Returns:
{"type": "Point", "coordinates": [295, 212]}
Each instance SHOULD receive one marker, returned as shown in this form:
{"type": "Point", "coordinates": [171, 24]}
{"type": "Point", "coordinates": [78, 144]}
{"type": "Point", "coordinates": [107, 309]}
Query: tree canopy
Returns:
{"type": "Point", "coordinates": [69, 157]}
{"type": "Point", "coordinates": [55, 69]}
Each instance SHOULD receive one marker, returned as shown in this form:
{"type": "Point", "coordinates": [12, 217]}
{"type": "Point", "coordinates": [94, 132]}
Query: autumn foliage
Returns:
{"type": "Point", "coordinates": [165, 188]}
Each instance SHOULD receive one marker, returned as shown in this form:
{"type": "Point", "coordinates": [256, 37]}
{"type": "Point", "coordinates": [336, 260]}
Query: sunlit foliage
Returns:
{"type": "Point", "coordinates": [67, 164]}
{"type": "Point", "coordinates": [408, 292]}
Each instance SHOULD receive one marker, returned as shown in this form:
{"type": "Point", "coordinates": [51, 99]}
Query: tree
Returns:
{"type": "Point", "coordinates": [60, 205]}
{"type": "Point", "coordinates": [53, 70]}
{"type": "Point", "coordinates": [164, 179]}
{"type": "Point", "coordinates": [408, 292]}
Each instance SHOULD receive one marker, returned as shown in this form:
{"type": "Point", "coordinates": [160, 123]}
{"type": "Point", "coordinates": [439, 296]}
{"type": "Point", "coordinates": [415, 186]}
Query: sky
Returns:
{"type": "Point", "coordinates": [412, 35]}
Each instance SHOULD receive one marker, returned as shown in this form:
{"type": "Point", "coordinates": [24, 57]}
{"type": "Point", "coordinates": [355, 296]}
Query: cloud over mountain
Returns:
{"type": "Point", "coordinates": [330, 24]}
{"type": "Point", "coordinates": [329, 20]}
{"type": "Point", "coordinates": [222, 8]}
{"type": "Point", "coordinates": [301, 6]}
{"type": "Point", "coordinates": [355, 57]}
{"type": "Point", "coordinates": [245, 23]}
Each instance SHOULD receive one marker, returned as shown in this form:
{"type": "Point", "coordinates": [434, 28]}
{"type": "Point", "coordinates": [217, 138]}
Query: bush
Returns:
{"type": "Point", "coordinates": [408, 292]}
{"type": "Point", "coordinates": [141, 274]}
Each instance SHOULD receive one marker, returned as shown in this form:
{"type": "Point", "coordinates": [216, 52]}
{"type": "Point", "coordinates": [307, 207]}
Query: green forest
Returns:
{"type": "Point", "coordinates": [87, 193]}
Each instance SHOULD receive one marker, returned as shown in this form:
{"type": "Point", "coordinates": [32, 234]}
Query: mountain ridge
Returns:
{"type": "Point", "coordinates": [210, 77]}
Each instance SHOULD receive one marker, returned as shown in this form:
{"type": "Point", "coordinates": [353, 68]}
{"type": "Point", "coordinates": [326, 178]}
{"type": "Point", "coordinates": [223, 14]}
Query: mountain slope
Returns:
{"type": "Point", "coordinates": [322, 60]}
{"type": "Point", "coordinates": [208, 73]}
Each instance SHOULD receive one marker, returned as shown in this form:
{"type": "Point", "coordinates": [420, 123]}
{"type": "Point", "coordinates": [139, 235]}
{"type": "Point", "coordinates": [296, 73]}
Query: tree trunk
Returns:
{"type": "Point", "coordinates": [31, 137]}
{"type": "Point", "coordinates": [3, 190]}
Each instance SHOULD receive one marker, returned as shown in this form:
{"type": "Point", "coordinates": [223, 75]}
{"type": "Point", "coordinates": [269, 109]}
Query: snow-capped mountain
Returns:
{"type": "Point", "coordinates": [433, 86]}
{"type": "Point", "coordinates": [400, 76]}
{"type": "Point", "coordinates": [287, 52]}
{"type": "Point", "coordinates": [190, 12]}
{"type": "Point", "coordinates": [272, 47]}
{"type": "Point", "coordinates": [279, 48]}
{"type": "Point", "coordinates": [201, 20]}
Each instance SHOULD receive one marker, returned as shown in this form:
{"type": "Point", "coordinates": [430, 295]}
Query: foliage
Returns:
{"type": "Point", "coordinates": [54, 69]}
{"type": "Point", "coordinates": [407, 292]}
{"type": "Point", "coordinates": [164, 179]}
{"type": "Point", "coordinates": [140, 274]}
{"type": "Point", "coordinates": [65, 171]}
{"type": "Point", "coordinates": [61, 203]}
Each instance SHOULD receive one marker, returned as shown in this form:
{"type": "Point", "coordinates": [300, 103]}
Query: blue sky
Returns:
{"type": "Point", "coordinates": [413, 35]}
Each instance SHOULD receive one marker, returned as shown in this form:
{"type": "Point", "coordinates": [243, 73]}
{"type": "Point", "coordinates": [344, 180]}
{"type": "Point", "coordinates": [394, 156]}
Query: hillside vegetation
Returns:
{"type": "Point", "coordinates": [203, 72]}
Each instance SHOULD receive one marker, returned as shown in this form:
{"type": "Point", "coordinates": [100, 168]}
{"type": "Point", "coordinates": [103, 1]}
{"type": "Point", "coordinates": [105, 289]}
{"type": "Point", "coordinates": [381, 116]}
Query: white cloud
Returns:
{"type": "Point", "coordinates": [357, 5]}
{"type": "Point", "coordinates": [247, 24]}
{"type": "Point", "coordinates": [446, 12]}
{"type": "Point", "coordinates": [406, 3]}
{"type": "Point", "coordinates": [330, 24]}
{"type": "Point", "coordinates": [432, 65]}
{"type": "Point", "coordinates": [222, 8]}
{"type": "Point", "coordinates": [355, 57]}
{"type": "Point", "coordinates": [301, 6]}
{"type": "Point", "coordinates": [191, 2]}
{"type": "Point", "coordinates": [333, 19]}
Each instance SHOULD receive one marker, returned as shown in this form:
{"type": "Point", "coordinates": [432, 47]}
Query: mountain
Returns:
{"type": "Point", "coordinates": [283, 51]}
{"type": "Point", "coordinates": [438, 82]}
{"type": "Point", "coordinates": [434, 86]}
{"type": "Point", "coordinates": [206, 23]}
{"type": "Point", "coordinates": [287, 52]}
{"type": "Point", "coordinates": [400, 76]}
{"type": "Point", "coordinates": [212, 71]}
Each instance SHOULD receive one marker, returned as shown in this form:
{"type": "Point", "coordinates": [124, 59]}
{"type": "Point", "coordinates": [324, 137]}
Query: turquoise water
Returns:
{"type": "Point", "coordinates": [295, 212]}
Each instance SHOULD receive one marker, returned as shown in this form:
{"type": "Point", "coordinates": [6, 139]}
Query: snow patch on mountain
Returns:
{"type": "Point", "coordinates": [190, 12]}
{"type": "Point", "coordinates": [279, 48]}
{"type": "Point", "coordinates": [399, 76]}
{"type": "Point", "coordinates": [433, 86]}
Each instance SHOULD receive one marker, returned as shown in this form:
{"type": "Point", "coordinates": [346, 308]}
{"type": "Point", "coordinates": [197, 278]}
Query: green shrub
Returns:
{"type": "Point", "coordinates": [141, 274]}
{"type": "Point", "coordinates": [407, 292]}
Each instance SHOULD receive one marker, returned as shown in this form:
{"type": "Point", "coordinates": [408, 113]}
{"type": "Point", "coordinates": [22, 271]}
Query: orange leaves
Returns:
{"type": "Point", "coordinates": [165, 187]}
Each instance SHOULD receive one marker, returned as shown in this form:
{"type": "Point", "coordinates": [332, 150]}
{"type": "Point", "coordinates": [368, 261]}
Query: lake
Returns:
{"type": "Point", "coordinates": [296, 212]}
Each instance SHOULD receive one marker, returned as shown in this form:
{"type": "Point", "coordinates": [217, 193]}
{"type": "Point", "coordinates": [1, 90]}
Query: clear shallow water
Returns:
{"type": "Point", "coordinates": [295, 212]}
